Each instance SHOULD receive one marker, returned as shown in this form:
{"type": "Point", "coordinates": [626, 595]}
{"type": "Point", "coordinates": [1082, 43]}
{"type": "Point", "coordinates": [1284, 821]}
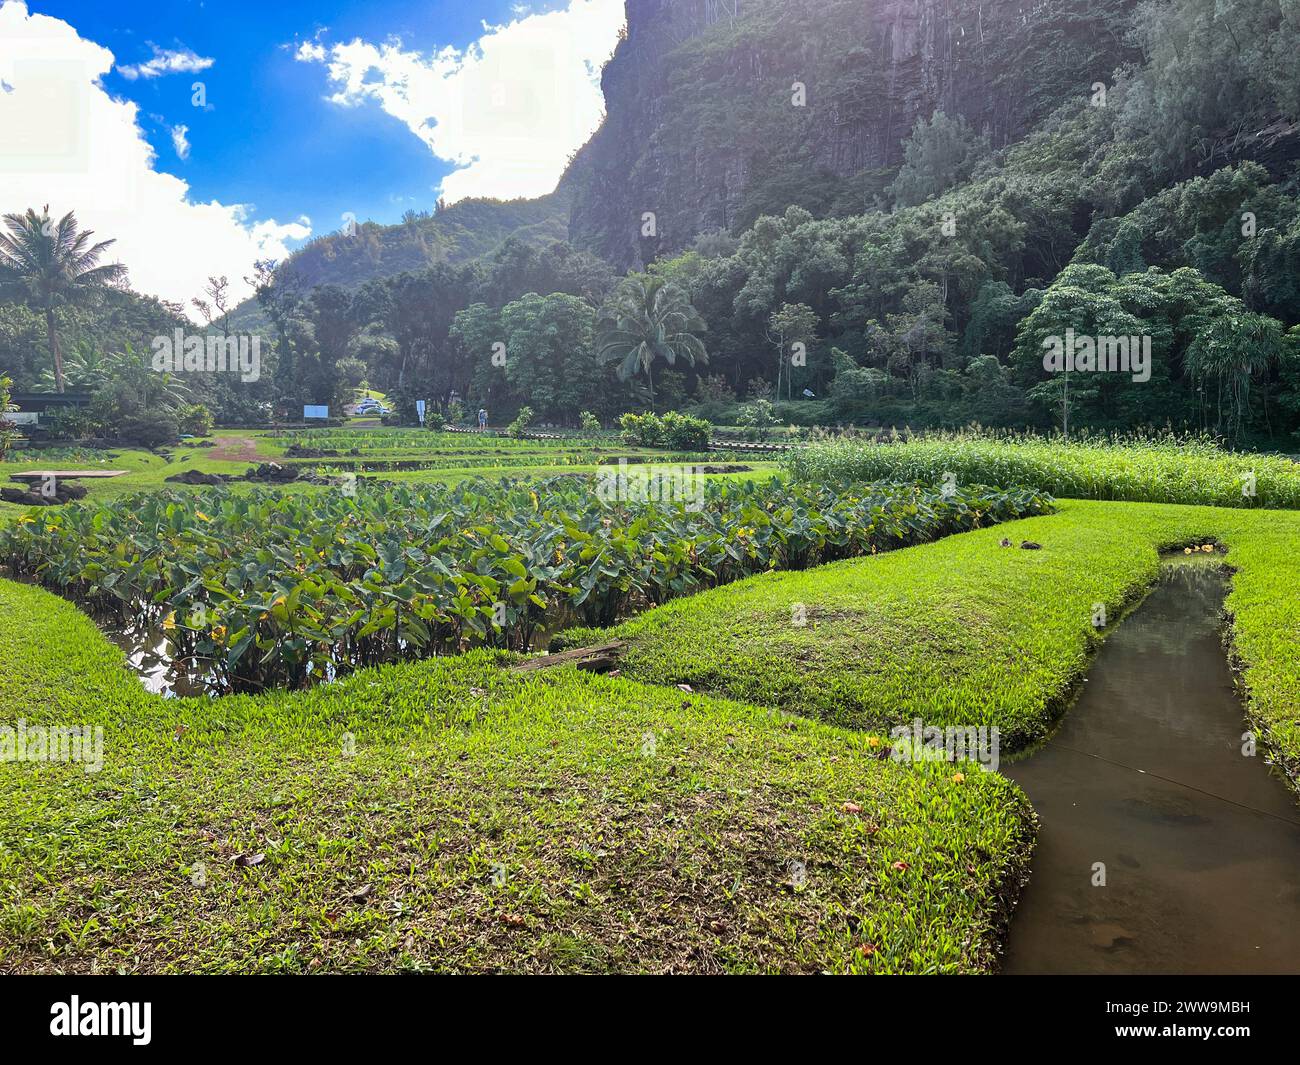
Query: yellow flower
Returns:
{"type": "Point", "coordinates": [200, 514]}
{"type": "Point", "coordinates": [872, 741]}
{"type": "Point", "coordinates": [278, 601]}
{"type": "Point", "coordinates": [169, 622]}
{"type": "Point", "coordinates": [219, 632]}
{"type": "Point", "coordinates": [957, 778]}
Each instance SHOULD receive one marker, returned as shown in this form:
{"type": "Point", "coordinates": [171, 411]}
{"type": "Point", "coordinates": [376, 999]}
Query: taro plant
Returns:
{"type": "Point", "coordinates": [283, 590]}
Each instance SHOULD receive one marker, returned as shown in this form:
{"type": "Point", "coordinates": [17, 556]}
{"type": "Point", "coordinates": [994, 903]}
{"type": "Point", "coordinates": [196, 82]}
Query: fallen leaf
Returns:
{"type": "Point", "coordinates": [249, 859]}
{"type": "Point", "coordinates": [851, 808]}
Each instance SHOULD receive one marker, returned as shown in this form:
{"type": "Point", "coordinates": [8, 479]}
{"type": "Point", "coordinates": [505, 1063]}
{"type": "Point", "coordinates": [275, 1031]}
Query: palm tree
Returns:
{"type": "Point", "coordinates": [646, 319]}
{"type": "Point", "coordinates": [86, 368]}
{"type": "Point", "coordinates": [50, 264]}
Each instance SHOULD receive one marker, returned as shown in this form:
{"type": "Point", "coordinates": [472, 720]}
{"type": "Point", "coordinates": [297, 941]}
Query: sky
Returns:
{"type": "Point", "coordinates": [206, 134]}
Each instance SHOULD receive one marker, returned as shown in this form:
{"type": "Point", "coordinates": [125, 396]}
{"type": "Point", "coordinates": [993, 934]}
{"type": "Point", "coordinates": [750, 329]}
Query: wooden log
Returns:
{"type": "Point", "coordinates": [591, 658]}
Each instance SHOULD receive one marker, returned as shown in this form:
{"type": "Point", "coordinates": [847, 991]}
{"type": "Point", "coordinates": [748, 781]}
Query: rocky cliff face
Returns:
{"type": "Point", "coordinates": [719, 110]}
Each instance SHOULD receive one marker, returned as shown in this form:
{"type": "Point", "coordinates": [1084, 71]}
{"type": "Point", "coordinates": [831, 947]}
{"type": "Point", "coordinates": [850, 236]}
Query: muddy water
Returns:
{"type": "Point", "coordinates": [1201, 845]}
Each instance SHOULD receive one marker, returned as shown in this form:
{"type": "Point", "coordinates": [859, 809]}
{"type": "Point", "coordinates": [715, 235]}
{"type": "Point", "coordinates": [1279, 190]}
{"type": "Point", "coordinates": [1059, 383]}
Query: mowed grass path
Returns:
{"type": "Point", "coordinates": [483, 821]}
{"type": "Point", "coordinates": [964, 631]}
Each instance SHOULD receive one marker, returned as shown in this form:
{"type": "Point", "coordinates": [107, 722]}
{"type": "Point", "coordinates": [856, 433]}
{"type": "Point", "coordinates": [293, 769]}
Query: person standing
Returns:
{"type": "Point", "coordinates": [482, 419]}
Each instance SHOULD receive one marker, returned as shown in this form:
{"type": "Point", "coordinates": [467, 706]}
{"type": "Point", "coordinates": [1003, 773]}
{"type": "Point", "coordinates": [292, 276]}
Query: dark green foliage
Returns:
{"type": "Point", "coordinates": [148, 429]}
{"type": "Point", "coordinates": [940, 153]}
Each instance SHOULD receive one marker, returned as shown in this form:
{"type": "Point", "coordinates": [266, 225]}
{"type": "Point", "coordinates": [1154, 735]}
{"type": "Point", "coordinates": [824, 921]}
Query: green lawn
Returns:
{"type": "Point", "coordinates": [483, 822]}
{"type": "Point", "coordinates": [964, 631]}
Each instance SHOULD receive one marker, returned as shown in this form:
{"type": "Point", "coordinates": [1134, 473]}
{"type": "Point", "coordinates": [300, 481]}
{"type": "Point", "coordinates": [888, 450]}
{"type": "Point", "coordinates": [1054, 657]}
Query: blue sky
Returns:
{"type": "Point", "coordinates": [314, 111]}
{"type": "Point", "coordinates": [270, 139]}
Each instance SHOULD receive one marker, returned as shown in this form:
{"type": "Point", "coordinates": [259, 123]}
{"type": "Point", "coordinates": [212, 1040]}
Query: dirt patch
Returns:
{"type": "Point", "coordinates": [235, 449]}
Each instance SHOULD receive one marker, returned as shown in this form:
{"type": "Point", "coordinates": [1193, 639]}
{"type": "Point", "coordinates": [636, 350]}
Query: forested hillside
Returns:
{"type": "Point", "coordinates": [867, 212]}
{"type": "Point", "coordinates": [451, 234]}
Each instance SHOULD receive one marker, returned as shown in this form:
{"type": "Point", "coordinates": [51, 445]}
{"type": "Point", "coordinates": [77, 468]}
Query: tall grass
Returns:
{"type": "Point", "coordinates": [1164, 469]}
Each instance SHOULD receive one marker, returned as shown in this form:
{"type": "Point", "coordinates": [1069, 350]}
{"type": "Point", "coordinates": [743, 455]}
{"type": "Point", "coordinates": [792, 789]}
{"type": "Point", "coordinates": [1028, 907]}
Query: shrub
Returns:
{"type": "Point", "coordinates": [152, 429]}
{"type": "Point", "coordinates": [589, 422]}
{"type": "Point", "coordinates": [757, 418]}
{"type": "Point", "coordinates": [195, 419]}
{"type": "Point", "coordinates": [681, 432]}
{"type": "Point", "coordinates": [643, 429]}
{"type": "Point", "coordinates": [68, 423]}
{"type": "Point", "coordinates": [7, 430]}
{"type": "Point", "coordinates": [521, 422]}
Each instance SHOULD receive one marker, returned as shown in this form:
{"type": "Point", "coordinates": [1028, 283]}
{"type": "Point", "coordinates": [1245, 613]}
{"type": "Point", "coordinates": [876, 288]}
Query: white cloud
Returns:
{"type": "Point", "coordinates": [166, 61]}
{"type": "Point", "coordinates": [509, 110]}
{"type": "Point", "coordinates": [180, 141]}
{"type": "Point", "coordinates": [67, 143]}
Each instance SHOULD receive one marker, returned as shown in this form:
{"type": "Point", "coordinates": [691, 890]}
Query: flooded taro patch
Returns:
{"type": "Point", "coordinates": [260, 590]}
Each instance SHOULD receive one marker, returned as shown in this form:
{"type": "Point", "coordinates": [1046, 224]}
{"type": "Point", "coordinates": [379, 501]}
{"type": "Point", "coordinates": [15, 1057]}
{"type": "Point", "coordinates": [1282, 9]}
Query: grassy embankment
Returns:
{"type": "Point", "coordinates": [484, 822]}
{"type": "Point", "coordinates": [964, 631]}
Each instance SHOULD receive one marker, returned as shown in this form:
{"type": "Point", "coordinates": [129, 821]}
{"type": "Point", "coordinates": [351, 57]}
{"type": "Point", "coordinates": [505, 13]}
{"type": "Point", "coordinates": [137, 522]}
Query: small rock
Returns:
{"type": "Point", "coordinates": [1030, 545]}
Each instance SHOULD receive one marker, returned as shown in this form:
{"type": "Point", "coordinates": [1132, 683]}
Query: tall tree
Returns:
{"type": "Point", "coordinates": [50, 264]}
{"type": "Point", "coordinates": [794, 323]}
{"type": "Point", "coordinates": [647, 319]}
